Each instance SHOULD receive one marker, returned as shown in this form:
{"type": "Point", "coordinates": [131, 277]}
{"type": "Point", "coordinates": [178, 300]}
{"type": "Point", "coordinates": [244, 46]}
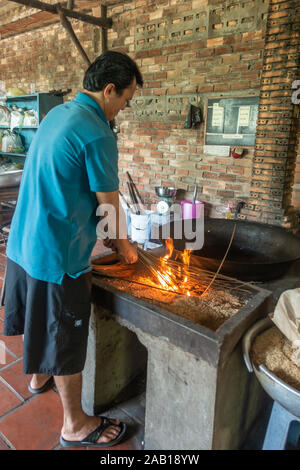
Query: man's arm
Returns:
{"type": "Point", "coordinates": [126, 250]}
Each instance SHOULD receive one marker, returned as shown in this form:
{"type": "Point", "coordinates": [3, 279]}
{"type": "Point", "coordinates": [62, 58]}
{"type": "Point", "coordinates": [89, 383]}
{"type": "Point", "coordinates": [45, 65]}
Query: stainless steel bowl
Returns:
{"type": "Point", "coordinates": [284, 394]}
{"type": "Point", "coordinates": [165, 191]}
{"type": "Point", "coordinates": [10, 178]}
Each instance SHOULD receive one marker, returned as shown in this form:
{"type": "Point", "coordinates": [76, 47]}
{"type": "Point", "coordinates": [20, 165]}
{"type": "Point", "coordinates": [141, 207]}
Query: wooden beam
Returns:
{"type": "Point", "coordinates": [103, 31]}
{"type": "Point", "coordinates": [39, 19]}
{"type": "Point", "coordinates": [29, 23]}
{"type": "Point", "coordinates": [103, 22]}
{"type": "Point", "coordinates": [67, 25]}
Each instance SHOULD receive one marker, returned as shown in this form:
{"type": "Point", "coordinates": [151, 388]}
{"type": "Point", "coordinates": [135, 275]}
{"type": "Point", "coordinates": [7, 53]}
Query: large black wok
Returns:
{"type": "Point", "coordinates": [259, 252]}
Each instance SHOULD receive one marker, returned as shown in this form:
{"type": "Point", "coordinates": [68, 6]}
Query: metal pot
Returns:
{"type": "Point", "coordinates": [284, 394]}
{"type": "Point", "coordinates": [10, 178]}
{"type": "Point", "coordinates": [259, 252]}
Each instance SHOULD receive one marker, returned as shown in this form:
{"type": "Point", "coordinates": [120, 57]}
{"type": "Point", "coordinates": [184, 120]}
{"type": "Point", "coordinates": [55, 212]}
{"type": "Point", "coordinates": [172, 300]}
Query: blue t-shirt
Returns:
{"type": "Point", "coordinates": [73, 155]}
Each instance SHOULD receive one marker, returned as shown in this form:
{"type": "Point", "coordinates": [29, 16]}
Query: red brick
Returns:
{"type": "Point", "coordinates": [214, 42]}
{"type": "Point", "coordinates": [234, 62]}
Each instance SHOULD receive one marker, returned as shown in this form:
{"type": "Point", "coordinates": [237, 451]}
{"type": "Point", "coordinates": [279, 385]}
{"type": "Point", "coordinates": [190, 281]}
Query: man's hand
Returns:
{"type": "Point", "coordinates": [109, 244]}
{"type": "Point", "coordinates": [127, 251]}
{"type": "Point", "coordinates": [129, 254]}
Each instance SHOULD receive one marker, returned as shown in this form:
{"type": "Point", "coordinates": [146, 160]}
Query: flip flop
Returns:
{"type": "Point", "coordinates": [92, 438]}
{"type": "Point", "coordinates": [46, 386]}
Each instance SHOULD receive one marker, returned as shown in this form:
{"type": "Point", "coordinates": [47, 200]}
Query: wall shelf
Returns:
{"type": "Point", "coordinates": [41, 103]}
{"type": "Point", "coordinates": [12, 154]}
{"type": "Point", "coordinates": [24, 127]}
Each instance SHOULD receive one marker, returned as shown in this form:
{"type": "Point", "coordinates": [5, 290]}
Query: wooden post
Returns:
{"type": "Point", "coordinates": [103, 49]}
{"type": "Point", "coordinates": [103, 30]}
{"type": "Point", "coordinates": [67, 25]}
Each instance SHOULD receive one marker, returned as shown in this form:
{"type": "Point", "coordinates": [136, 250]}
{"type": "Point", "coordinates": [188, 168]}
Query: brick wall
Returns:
{"type": "Point", "coordinates": [275, 154]}
{"type": "Point", "coordinates": [47, 57]}
{"type": "Point", "coordinates": [296, 185]}
{"type": "Point", "coordinates": [189, 51]}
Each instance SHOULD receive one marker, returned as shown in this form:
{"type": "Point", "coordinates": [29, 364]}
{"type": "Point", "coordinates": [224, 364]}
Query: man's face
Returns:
{"type": "Point", "coordinates": [114, 102]}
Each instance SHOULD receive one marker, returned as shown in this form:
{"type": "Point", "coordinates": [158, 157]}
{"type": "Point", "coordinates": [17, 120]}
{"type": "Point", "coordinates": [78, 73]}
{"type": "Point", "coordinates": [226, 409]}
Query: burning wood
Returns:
{"type": "Point", "coordinates": [178, 276]}
{"type": "Point", "coordinates": [166, 275]}
{"type": "Point", "coordinates": [184, 289]}
{"type": "Point", "coordinates": [172, 272]}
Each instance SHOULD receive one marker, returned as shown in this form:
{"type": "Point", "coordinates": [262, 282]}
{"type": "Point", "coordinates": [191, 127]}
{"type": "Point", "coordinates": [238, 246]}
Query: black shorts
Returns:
{"type": "Point", "coordinates": [54, 319]}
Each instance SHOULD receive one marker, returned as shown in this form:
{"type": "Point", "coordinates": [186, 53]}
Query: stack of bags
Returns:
{"type": "Point", "coordinates": [286, 317]}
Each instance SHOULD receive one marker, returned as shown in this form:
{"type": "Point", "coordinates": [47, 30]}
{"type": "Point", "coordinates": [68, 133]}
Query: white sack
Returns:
{"type": "Point", "coordinates": [286, 317]}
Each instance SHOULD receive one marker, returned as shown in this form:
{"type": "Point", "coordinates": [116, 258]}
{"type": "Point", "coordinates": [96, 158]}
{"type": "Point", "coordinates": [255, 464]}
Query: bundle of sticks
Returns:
{"type": "Point", "coordinates": [135, 197]}
{"type": "Point", "coordinates": [170, 275]}
{"type": "Point", "coordinates": [182, 279]}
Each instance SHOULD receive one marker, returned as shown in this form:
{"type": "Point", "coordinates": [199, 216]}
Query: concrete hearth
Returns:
{"type": "Point", "coordinates": [197, 383]}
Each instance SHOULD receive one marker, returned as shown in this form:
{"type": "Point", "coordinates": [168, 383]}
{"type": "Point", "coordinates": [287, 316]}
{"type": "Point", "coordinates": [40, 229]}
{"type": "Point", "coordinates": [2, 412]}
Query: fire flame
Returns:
{"type": "Point", "coordinates": [186, 255]}
{"type": "Point", "coordinates": [170, 249]}
{"type": "Point", "coordinates": [167, 277]}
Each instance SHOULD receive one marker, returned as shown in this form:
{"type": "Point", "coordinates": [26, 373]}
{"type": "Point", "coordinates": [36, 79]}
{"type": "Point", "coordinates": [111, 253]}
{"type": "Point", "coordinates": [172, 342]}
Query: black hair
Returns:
{"type": "Point", "coordinates": [112, 67]}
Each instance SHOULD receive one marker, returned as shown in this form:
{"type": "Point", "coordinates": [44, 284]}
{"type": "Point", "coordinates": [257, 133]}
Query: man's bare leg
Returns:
{"type": "Point", "coordinates": [77, 424]}
{"type": "Point", "coordinates": [38, 380]}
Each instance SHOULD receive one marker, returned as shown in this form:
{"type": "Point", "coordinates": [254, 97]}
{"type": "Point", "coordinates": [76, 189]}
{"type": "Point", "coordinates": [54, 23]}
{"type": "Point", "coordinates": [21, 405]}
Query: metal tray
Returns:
{"type": "Point", "coordinates": [10, 178]}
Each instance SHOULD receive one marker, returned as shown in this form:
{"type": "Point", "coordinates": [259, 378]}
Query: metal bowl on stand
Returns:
{"type": "Point", "coordinates": [165, 191]}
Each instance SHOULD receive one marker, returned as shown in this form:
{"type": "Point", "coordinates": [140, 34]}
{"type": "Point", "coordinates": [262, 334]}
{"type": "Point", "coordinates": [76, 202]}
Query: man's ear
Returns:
{"type": "Point", "coordinates": [108, 89]}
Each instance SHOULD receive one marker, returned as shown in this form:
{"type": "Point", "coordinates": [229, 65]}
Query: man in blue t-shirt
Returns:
{"type": "Point", "coordinates": [71, 168]}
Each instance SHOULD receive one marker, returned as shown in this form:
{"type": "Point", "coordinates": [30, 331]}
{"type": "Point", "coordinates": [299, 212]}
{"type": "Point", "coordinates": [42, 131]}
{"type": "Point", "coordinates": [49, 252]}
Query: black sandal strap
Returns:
{"type": "Point", "coordinates": [93, 437]}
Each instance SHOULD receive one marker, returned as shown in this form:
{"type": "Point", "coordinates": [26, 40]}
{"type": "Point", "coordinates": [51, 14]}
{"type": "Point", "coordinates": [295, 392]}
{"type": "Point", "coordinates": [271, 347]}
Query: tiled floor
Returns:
{"type": "Point", "coordinates": [30, 422]}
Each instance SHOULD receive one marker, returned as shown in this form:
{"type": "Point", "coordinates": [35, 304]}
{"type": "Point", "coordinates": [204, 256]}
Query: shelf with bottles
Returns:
{"type": "Point", "coordinates": [24, 127]}
{"type": "Point", "coordinates": [12, 154]}
{"type": "Point", "coordinates": [41, 103]}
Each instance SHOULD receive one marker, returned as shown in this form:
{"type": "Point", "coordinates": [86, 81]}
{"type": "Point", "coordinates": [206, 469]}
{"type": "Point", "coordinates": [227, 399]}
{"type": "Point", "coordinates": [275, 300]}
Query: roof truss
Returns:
{"type": "Point", "coordinates": [49, 14]}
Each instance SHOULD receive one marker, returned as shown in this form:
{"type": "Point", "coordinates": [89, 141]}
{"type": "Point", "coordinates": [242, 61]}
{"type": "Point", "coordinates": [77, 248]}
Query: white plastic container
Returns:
{"type": "Point", "coordinates": [128, 220]}
{"type": "Point", "coordinates": [141, 226]}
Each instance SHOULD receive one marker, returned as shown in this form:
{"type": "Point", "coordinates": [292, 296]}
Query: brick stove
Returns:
{"type": "Point", "coordinates": [197, 383]}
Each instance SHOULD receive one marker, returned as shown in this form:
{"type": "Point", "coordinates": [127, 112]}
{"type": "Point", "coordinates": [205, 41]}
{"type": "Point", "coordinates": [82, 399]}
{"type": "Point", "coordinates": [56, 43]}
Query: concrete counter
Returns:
{"type": "Point", "coordinates": [197, 383]}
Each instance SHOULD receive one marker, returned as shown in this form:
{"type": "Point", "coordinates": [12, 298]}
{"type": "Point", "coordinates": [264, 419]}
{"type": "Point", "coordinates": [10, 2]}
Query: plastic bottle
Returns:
{"type": "Point", "coordinates": [228, 212]}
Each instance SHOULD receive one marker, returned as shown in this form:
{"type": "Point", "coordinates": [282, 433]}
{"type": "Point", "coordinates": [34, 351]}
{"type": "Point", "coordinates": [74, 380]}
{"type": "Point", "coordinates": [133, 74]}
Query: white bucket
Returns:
{"type": "Point", "coordinates": [141, 226]}
{"type": "Point", "coordinates": [128, 220]}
